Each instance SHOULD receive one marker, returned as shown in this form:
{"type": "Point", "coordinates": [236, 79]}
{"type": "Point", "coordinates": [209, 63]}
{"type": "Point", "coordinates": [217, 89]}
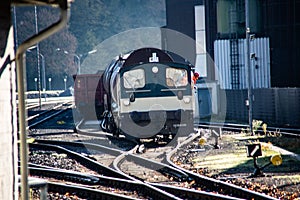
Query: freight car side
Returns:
{"type": "Point", "coordinates": [88, 94]}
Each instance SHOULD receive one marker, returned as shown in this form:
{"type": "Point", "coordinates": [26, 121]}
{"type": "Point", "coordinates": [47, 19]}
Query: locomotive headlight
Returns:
{"type": "Point", "coordinates": [186, 99]}
{"type": "Point", "coordinates": [114, 105]}
{"type": "Point", "coordinates": [180, 95]}
{"type": "Point", "coordinates": [126, 102]}
{"type": "Point", "coordinates": [154, 69]}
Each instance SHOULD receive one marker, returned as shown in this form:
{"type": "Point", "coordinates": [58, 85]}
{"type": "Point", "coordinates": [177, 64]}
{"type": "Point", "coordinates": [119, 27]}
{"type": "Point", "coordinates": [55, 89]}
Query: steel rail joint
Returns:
{"type": "Point", "coordinates": [21, 81]}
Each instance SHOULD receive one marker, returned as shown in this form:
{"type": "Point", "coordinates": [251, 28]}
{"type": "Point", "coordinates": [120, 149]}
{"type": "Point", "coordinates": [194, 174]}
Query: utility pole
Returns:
{"type": "Point", "coordinates": [38, 57]}
{"type": "Point", "coordinates": [78, 57]}
{"type": "Point", "coordinates": [248, 66]}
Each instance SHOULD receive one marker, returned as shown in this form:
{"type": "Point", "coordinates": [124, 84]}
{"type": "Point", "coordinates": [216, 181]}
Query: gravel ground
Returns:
{"type": "Point", "coordinates": [57, 160]}
{"type": "Point", "coordinates": [132, 193]}
{"type": "Point", "coordinates": [35, 195]}
{"type": "Point", "coordinates": [230, 163]}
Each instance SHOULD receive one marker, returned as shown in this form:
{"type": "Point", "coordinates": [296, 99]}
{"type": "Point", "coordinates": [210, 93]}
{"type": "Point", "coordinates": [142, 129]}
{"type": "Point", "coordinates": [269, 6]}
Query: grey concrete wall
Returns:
{"type": "Point", "coordinates": [8, 119]}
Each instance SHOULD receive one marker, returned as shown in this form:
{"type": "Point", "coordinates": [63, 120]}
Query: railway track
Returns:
{"type": "Point", "coordinates": [112, 157]}
{"type": "Point", "coordinates": [243, 127]}
{"type": "Point", "coordinates": [31, 106]}
{"type": "Point", "coordinates": [47, 114]}
{"type": "Point", "coordinates": [213, 184]}
{"type": "Point", "coordinates": [175, 181]}
{"type": "Point", "coordinates": [101, 186]}
{"type": "Point", "coordinates": [84, 192]}
{"type": "Point", "coordinates": [176, 192]}
{"type": "Point", "coordinates": [101, 169]}
{"type": "Point", "coordinates": [89, 163]}
{"type": "Point", "coordinates": [171, 179]}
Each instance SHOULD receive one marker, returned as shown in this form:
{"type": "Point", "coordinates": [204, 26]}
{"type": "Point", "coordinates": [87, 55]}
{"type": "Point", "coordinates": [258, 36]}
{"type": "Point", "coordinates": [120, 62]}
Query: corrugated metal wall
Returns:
{"type": "Point", "coordinates": [260, 65]}
{"type": "Point", "coordinates": [276, 106]}
{"type": "Point", "coordinates": [281, 22]}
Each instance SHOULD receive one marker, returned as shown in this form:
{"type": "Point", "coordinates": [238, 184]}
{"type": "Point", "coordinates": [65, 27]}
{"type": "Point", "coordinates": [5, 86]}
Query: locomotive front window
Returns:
{"type": "Point", "coordinates": [134, 79]}
{"type": "Point", "coordinates": [176, 77]}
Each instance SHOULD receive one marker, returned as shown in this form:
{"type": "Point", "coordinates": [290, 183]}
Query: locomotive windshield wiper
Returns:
{"type": "Point", "coordinates": [132, 97]}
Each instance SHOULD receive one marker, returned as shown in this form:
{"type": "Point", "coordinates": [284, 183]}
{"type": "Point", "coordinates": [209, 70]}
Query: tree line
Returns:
{"type": "Point", "coordinates": [91, 22]}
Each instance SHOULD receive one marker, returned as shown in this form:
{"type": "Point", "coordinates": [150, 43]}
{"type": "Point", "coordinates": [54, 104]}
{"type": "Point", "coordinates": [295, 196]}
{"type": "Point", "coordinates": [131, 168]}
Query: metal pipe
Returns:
{"type": "Point", "coordinates": [78, 57]}
{"type": "Point", "coordinates": [78, 63]}
{"type": "Point", "coordinates": [248, 67]}
{"type": "Point", "coordinates": [21, 81]}
{"type": "Point", "coordinates": [43, 75]}
{"type": "Point", "coordinates": [38, 79]}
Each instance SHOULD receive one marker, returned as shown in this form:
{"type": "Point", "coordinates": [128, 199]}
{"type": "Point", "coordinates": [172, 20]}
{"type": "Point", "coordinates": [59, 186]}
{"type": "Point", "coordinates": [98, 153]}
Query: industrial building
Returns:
{"type": "Point", "coordinates": [274, 47]}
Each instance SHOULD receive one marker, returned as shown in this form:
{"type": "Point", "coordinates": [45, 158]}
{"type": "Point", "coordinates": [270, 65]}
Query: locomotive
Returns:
{"type": "Point", "coordinates": [145, 93]}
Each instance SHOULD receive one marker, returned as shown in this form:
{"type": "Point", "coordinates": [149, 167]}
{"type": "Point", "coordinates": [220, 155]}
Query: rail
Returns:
{"type": "Point", "coordinates": [239, 127]}
{"type": "Point", "coordinates": [212, 183]}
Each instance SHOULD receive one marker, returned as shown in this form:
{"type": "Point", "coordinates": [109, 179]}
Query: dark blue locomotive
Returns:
{"type": "Point", "coordinates": [145, 94]}
{"type": "Point", "coordinates": [141, 94]}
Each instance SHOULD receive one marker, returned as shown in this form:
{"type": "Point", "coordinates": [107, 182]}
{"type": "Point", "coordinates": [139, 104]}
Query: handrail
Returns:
{"type": "Point", "coordinates": [21, 81]}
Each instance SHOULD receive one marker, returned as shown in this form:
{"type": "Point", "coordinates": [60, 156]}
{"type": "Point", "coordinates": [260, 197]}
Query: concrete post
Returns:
{"type": "Point", "coordinates": [8, 122]}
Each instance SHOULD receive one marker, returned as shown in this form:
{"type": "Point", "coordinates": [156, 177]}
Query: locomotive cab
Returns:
{"type": "Point", "coordinates": [155, 98]}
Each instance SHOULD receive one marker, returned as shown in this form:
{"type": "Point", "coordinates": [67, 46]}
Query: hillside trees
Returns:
{"type": "Point", "coordinates": [91, 22]}
{"type": "Point", "coordinates": [57, 64]}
